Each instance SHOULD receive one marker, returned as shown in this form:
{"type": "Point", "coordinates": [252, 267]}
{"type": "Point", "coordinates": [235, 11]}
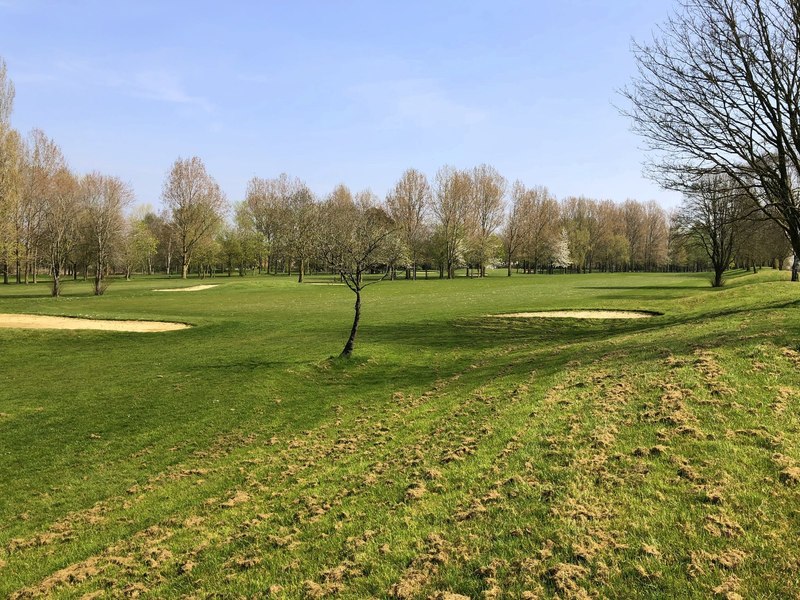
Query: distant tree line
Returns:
{"type": "Point", "coordinates": [64, 224]}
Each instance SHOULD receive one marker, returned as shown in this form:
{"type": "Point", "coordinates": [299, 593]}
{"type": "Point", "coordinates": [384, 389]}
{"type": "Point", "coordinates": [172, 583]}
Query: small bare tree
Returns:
{"type": "Point", "coordinates": [104, 201]}
{"type": "Point", "coordinates": [711, 216]}
{"type": "Point", "coordinates": [354, 238]}
{"type": "Point", "coordinates": [196, 206]}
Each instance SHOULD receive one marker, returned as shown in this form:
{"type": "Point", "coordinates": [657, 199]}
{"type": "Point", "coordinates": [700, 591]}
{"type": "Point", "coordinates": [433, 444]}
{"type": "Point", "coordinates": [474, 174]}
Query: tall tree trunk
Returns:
{"type": "Point", "coordinates": [184, 265]}
{"type": "Point", "coordinates": [302, 270]}
{"type": "Point", "coordinates": [56, 290]}
{"type": "Point", "coordinates": [98, 276]}
{"type": "Point", "coordinates": [796, 268]}
{"type": "Point", "coordinates": [348, 347]}
{"type": "Point", "coordinates": [719, 269]}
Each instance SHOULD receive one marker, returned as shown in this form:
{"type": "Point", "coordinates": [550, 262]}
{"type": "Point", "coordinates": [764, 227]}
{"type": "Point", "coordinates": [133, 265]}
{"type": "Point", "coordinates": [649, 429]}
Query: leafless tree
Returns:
{"type": "Point", "coordinates": [451, 207]}
{"type": "Point", "coordinates": [139, 244]}
{"type": "Point", "coordinates": [104, 200]}
{"type": "Point", "coordinates": [267, 203]}
{"type": "Point", "coordinates": [542, 228]}
{"type": "Point", "coordinates": [60, 221]}
{"type": "Point", "coordinates": [300, 227]}
{"type": "Point", "coordinates": [43, 160]}
{"type": "Point", "coordinates": [580, 222]}
{"type": "Point", "coordinates": [196, 206]}
{"type": "Point", "coordinates": [655, 235]}
{"type": "Point", "coordinates": [488, 206]}
{"type": "Point", "coordinates": [6, 96]}
{"type": "Point", "coordinates": [11, 170]}
{"type": "Point", "coordinates": [355, 235]}
{"type": "Point", "coordinates": [711, 215]}
{"type": "Point", "coordinates": [633, 221]}
{"type": "Point", "coordinates": [513, 231]}
{"type": "Point", "coordinates": [718, 92]}
{"type": "Point", "coordinates": [407, 205]}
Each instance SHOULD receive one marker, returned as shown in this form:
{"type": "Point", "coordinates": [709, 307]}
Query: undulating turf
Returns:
{"type": "Point", "coordinates": [454, 454]}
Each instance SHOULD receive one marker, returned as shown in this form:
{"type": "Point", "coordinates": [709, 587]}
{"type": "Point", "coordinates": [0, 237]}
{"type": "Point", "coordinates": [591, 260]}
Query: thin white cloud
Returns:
{"type": "Point", "coordinates": [166, 87]}
{"type": "Point", "coordinates": [157, 84]}
{"type": "Point", "coordinates": [414, 102]}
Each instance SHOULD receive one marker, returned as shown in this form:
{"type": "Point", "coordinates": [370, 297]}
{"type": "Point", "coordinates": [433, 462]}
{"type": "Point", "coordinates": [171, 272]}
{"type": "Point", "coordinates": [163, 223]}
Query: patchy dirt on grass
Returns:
{"type": "Point", "coordinates": [193, 288]}
{"type": "Point", "coordinates": [16, 321]}
{"type": "Point", "coordinates": [578, 314]}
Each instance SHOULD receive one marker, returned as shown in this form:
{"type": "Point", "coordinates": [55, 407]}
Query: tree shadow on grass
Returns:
{"type": "Point", "coordinates": [481, 335]}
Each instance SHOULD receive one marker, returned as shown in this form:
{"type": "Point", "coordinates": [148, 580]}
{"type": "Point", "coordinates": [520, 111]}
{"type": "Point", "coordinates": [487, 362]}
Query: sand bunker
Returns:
{"type": "Point", "coordinates": [44, 322]}
{"type": "Point", "coordinates": [581, 314]}
{"type": "Point", "coordinates": [194, 288]}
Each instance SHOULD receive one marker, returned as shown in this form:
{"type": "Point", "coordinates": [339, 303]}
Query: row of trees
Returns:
{"type": "Point", "coordinates": [50, 215]}
{"type": "Point", "coordinates": [473, 219]}
{"type": "Point", "coordinates": [63, 222]}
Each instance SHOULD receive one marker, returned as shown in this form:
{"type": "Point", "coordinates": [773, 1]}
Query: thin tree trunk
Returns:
{"type": "Point", "coordinates": [348, 347]}
{"type": "Point", "coordinates": [98, 278]}
{"type": "Point", "coordinates": [56, 291]}
{"type": "Point", "coordinates": [185, 266]}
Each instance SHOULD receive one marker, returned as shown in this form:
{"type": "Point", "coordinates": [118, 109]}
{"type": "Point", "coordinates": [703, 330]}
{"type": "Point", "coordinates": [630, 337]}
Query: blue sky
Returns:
{"type": "Point", "coordinates": [335, 91]}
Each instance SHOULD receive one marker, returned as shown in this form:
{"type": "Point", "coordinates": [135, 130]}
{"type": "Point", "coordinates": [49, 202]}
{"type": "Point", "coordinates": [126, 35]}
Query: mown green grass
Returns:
{"type": "Point", "coordinates": [454, 453]}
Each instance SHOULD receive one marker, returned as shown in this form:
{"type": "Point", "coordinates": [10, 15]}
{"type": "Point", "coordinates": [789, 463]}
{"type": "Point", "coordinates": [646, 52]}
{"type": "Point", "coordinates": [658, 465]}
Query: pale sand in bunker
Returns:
{"type": "Point", "coordinates": [194, 288]}
{"type": "Point", "coordinates": [579, 314]}
{"type": "Point", "coordinates": [46, 322]}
